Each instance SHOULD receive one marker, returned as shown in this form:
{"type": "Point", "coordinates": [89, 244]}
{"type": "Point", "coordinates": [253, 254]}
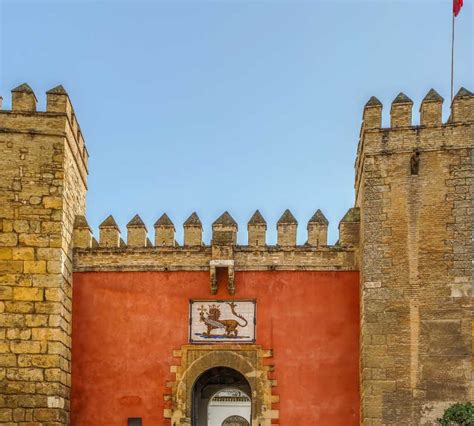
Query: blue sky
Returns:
{"type": "Point", "coordinates": [228, 105]}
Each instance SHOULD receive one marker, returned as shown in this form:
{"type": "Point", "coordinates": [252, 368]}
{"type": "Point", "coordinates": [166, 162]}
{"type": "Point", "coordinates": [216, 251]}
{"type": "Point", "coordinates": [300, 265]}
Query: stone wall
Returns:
{"type": "Point", "coordinates": [414, 189]}
{"type": "Point", "coordinates": [410, 234]}
{"type": "Point", "coordinates": [43, 170]}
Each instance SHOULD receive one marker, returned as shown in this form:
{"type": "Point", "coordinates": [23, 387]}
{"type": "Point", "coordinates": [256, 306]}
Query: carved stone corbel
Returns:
{"type": "Point", "coordinates": [221, 263]}
{"type": "Point", "coordinates": [213, 278]}
{"type": "Point", "coordinates": [230, 280]}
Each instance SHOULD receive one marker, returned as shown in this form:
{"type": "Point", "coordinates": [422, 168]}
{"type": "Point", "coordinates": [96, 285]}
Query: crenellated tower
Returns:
{"type": "Point", "coordinates": [414, 188]}
{"type": "Point", "coordinates": [43, 175]}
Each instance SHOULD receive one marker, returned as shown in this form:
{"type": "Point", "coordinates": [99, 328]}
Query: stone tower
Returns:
{"type": "Point", "coordinates": [414, 189]}
{"type": "Point", "coordinates": [43, 176]}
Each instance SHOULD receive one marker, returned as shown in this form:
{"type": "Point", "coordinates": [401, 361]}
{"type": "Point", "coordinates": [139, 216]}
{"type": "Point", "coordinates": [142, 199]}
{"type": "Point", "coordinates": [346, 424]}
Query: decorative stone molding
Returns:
{"type": "Point", "coordinates": [249, 360]}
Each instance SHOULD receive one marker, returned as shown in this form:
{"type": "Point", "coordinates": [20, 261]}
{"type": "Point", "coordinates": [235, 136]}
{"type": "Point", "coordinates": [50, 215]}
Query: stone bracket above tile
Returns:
{"type": "Point", "coordinates": [228, 264]}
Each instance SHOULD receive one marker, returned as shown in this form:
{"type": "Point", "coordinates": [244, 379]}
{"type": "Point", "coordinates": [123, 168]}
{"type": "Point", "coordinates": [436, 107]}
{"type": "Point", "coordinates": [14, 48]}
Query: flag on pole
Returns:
{"type": "Point", "coordinates": [457, 4]}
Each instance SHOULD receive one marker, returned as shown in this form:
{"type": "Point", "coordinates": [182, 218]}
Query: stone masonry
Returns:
{"type": "Point", "coordinates": [409, 234]}
{"type": "Point", "coordinates": [414, 190]}
{"type": "Point", "coordinates": [43, 171]}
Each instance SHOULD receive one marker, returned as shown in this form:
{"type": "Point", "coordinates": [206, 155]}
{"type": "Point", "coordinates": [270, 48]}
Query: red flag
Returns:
{"type": "Point", "coordinates": [457, 4]}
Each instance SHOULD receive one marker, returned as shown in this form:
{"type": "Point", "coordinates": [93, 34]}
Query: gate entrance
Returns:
{"type": "Point", "coordinates": [221, 397]}
{"type": "Point", "coordinates": [203, 371]}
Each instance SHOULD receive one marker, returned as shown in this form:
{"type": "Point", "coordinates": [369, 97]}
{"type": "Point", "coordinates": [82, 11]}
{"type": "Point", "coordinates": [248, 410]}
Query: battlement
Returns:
{"type": "Point", "coordinates": [403, 136]}
{"type": "Point", "coordinates": [110, 251]}
{"type": "Point", "coordinates": [224, 232]}
{"type": "Point", "coordinates": [59, 119]}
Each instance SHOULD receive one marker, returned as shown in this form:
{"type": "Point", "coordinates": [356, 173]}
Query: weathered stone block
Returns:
{"type": "Point", "coordinates": [6, 253]}
{"type": "Point", "coordinates": [49, 334]}
{"type": "Point", "coordinates": [6, 414]}
{"type": "Point", "coordinates": [34, 240]}
{"type": "Point", "coordinates": [8, 239]}
{"type": "Point", "coordinates": [19, 414]}
{"type": "Point", "coordinates": [49, 308]}
{"type": "Point", "coordinates": [19, 307]}
{"type": "Point", "coordinates": [14, 266]}
{"type": "Point", "coordinates": [54, 267]}
{"type": "Point", "coordinates": [34, 266]}
{"type": "Point", "coordinates": [54, 294]}
{"type": "Point", "coordinates": [18, 333]}
{"type": "Point", "coordinates": [36, 320]}
{"type": "Point", "coordinates": [48, 254]}
{"type": "Point", "coordinates": [25, 347]}
{"type": "Point", "coordinates": [12, 320]}
{"type": "Point", "coordinates": [41, 361]}
{"type": "Point", "coordinates": [31, 401]}
{"type": "Point", "coordinates": [23, 253]}
{"type": "Point", "coordinates": [6, 293]}
{"type": "Point", "coordinates": [49, 415]}
{"type": "Point", "coordinates": [27, 294]}
{"type": "Point", "coordinates": [56, 375]}
{"type": "Point", "coordinates": [8, 360]}
{"type": "Point", "coordinates": [53, 202]}
{"type": "Point", "coordinates": [47, 280]}
{"type": "Point", "coordinates": [25, 374]}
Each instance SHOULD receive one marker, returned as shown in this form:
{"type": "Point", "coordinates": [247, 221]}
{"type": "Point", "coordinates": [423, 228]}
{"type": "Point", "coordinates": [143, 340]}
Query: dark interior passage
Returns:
{"type": "Point", "coordinates": [211, 382]}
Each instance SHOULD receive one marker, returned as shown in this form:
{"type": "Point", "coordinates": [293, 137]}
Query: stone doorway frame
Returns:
{"type": "Point", "coordinates": [197, 359]}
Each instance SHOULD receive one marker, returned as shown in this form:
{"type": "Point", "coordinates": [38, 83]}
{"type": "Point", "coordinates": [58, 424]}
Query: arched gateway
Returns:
{"type": "Point", "coordinates": [216, 383]}
{"type": "Point", "coordinates": [220, 393]}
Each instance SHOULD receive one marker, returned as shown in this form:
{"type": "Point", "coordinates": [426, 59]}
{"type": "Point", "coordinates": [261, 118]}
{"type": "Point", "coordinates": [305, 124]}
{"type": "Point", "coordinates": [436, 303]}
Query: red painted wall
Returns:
{"type": "Point", "coordinates": [126, 325]}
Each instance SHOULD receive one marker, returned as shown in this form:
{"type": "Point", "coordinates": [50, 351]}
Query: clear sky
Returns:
{"type": "Point", "coordinates": [228, 105]}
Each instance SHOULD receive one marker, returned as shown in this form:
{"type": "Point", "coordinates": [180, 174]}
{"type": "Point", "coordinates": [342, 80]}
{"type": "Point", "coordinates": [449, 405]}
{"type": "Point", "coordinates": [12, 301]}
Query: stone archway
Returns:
{"type": "Point", "coordinates": [219, 393]}
{"type": "Point", "coordinates": [245, 359]}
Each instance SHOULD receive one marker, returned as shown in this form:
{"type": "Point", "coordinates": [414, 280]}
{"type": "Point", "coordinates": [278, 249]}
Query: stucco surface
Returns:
{"type": "Point", "coordinates": [127, 324]}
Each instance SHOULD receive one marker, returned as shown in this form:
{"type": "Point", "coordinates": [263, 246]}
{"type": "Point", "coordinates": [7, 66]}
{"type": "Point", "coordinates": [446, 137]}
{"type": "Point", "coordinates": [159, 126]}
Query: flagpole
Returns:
{"type": "Point", "coordinates": [452, 61]}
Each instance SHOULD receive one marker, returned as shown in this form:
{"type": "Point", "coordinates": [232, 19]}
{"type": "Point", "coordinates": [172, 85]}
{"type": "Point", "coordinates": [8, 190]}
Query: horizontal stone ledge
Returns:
{"type": "Point", "coordinates": [33, 113]}
{"type": "Point", "coordinates": [135, 268]}
{"type": "Point", "coordinates": [388, 150]}
{"type": "Point", "coordinates": [200, 259]}
{"type": "Point", "coordinates": [61, 134]}
{"type": "Point", "coordinates": [415, 127]}
{"type": "Point", "coordinates": [207, 248]}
